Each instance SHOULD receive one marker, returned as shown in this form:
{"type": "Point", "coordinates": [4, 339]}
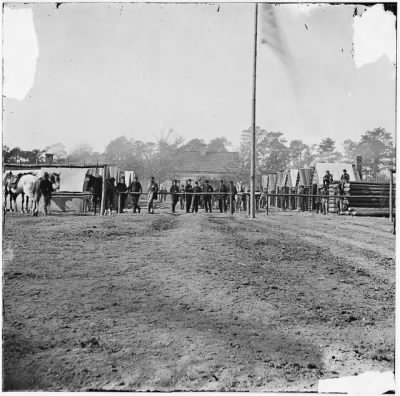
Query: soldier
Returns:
{"type": "Point", "coordinates": [174, 197]}
{"type": "Point", "coordinates": [182, 197]}
{"type": "Point", "coordinates": [121, 188]}
{"type": "Point", "coordinates": [152, 195]}
{"type": "Point", "coordinates": [232, 195]}
{"type": "Point", "coordinates": [188, 191]}
{"type": "Point", "coordinates": [222, 198]}
{"type": "Point", "coordinates": [207, 188]}
{"type": "Point", "coordinates": [135, 187]}
{"type": "Point", "coordinates": [244, 198]}
{"type": "Point", "coordinates": [345, 176]}
{"type": "Point", "coordinates": [196, 198]}
{"type": "Point", "coordinates": [46, 188]}
{"type": "Point", "coordinates": [327, 180]}
{"type": "Point", "coordinates": [300, 198]}
{"type": "Point", "coordinates": [343, 202]}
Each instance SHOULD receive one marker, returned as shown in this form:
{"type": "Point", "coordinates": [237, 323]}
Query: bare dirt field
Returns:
{"type": "Point", "coordinates": [195, 302]}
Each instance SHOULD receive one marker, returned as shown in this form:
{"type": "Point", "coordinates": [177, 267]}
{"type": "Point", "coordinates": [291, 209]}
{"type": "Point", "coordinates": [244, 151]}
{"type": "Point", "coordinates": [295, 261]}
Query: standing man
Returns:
{"type": "Point", "coordinates": [174, 190]}
{"type": "Point", "coordinates": [327, 179]}
{"type": "Point", "coordinates": [121, 188]}
{"type": "Point", "coordinates": [188, 191]}
{"type": "Point", "coordinates": [182, 197]}
{"type": "Point", "coordinates": [152, 195]}
{"type": "Point", "coordinates": [232, 195]}
{"type": "Point", "coordinates": [207, 197]}
{"type": "Point", "coordinates": [196, 198]}
{"type": "Point", "coordinates": [300, 202]}
{"type": "Point", "coordinates": [244, 198]}
{"type": "Point", "coordinates": [222, 198]}
{"type": "Point", "coordinates": [46, 188]}
{"type": "Point", "coordinates": [135, 187]}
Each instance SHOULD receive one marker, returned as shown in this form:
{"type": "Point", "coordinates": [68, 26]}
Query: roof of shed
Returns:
{"type": "Point", "coordinates": [336, 169]}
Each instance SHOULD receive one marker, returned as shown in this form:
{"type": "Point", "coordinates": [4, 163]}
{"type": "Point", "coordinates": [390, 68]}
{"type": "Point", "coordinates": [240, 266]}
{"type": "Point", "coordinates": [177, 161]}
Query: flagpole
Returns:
{"type": "Point", "coordinates": [253, 137]}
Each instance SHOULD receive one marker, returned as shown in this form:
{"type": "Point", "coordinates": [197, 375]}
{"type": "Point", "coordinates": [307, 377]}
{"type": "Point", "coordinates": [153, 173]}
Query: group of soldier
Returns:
{"type": "Point", "coordinates": [328, 179]}
{"type": "Point", "coordinates": [190, 196]}
{"type": "Point", "coordinates": [322, 202]}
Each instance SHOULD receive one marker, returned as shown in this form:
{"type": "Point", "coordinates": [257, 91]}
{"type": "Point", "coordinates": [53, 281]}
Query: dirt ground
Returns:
{"type": "Point", "coordinates": [195, 302]}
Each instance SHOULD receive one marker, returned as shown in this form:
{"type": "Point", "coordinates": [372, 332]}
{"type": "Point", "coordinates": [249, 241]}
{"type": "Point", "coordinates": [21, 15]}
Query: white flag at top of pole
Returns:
{"type": "Point", "coordinates": [271, 33]}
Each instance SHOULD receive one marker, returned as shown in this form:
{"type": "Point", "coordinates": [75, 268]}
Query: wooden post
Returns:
{"type": "Point", "coordinates": [391, 196]}
{"type": "Point", "coordinates": [267, 203]}
{"type": "Point", "coordinates": [103, 192]}
{"type": "Point", "coordinates": [253, 138]}
{"type": "Point", "coordinates": [231, 203]}
{"type": "Point", "coordinates": [119, 209]}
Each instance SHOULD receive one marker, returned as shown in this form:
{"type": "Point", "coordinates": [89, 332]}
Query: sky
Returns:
{"type": "Point", "coordinates": [88, 73]}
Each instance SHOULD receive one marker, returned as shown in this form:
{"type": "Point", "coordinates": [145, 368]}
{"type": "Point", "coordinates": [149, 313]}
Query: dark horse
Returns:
{"type": "Point", "coordinates": [94, 184]}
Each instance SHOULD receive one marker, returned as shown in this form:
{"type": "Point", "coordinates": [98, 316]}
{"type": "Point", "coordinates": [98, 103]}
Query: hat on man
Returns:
{"type": "Point", "coordinates": [190, 180]}
{"type": "Point", "coordinates": [344, 170]}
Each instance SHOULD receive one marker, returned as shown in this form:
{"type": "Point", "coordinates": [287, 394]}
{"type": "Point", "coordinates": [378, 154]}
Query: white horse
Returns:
{"type": "Point", "coordinates": [28, 185]}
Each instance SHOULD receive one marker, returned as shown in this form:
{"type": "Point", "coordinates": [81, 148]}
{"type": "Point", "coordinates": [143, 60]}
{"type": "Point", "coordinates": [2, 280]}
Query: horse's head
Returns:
{"type": "Point", "coordinates": [11, 180]}
{"type": "Point", "coordinates": [55, 180]}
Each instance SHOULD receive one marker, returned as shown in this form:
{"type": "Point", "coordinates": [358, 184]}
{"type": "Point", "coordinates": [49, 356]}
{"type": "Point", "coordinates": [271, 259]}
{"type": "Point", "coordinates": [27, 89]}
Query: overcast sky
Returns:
{"type": "Point", "coordinates": [88, 73]}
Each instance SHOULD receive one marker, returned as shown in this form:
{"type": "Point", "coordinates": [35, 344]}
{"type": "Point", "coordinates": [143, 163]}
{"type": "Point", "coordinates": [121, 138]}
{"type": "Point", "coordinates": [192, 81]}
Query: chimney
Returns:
{"type": "Point", "coordinates": [359, 165]}
{"type": "Point", "coordinates": [49, 158]}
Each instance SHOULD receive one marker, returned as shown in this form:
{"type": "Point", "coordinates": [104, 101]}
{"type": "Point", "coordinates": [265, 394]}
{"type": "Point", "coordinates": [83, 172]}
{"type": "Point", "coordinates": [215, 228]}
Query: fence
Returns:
{"type": "Point", "coordinates": [230, 196]}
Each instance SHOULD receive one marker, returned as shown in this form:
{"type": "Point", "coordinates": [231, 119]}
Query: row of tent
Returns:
{"type": "Point", "coordinates": [307, 177]}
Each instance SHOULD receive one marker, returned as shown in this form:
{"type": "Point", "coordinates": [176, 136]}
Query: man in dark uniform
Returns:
{"type": "Point", "coordinates": [207, 197]}
{"type": "Point", "coordinates": [182, 197]}
{"type": "Point", "coordinates": [232, 195]}
{"type": "Point", "coordinates": [188, 191]}
{"type": "Point", "coordinates": [345, 176]}
{"type": "Point", "coordinates": [300, 198]}
{"type": "Point", "coordinates": [244, 198]}
{"type": "Point", "coordinates": [327, 180]}
{"type": "Point", "coordinates": [343, 202]}
{"type": "Point", "coordinates": [174, 197]}
{"type": "Point", "coordinates": [152, 195]}
{"type": "Point", "coordinates": [46, 188]}
{"type": "Point", "coordinates": [135, 187]}
{"type": "Point", "coordinates": [222, 198]}
{"type": "Point", "coordinates": [196, 198]}
{"type": "Point", "coordinates": [121, 188]}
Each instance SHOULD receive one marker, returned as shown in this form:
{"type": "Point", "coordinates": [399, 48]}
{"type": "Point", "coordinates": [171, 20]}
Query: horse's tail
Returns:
{"type": "Point", "coordinates": [38, 192]}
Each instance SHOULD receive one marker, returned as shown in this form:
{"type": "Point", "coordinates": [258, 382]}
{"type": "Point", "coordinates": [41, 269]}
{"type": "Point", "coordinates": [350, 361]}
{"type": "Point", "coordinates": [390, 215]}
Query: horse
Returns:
{"type": "Point", "coordinates": [94, 184]}
{"type": "Point", "coordinates": [10, 183]}
{"type": "Point", "coordinates": [27, 184]}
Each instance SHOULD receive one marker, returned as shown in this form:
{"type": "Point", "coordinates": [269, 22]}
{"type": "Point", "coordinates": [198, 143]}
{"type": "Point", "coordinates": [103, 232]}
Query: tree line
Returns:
{"type": "Point", "coordinates": [273, 153]}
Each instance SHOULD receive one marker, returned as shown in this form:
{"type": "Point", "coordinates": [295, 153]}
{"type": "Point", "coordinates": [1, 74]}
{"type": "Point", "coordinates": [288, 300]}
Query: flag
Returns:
{"type": "Point", "coordinates": [271, 33]}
